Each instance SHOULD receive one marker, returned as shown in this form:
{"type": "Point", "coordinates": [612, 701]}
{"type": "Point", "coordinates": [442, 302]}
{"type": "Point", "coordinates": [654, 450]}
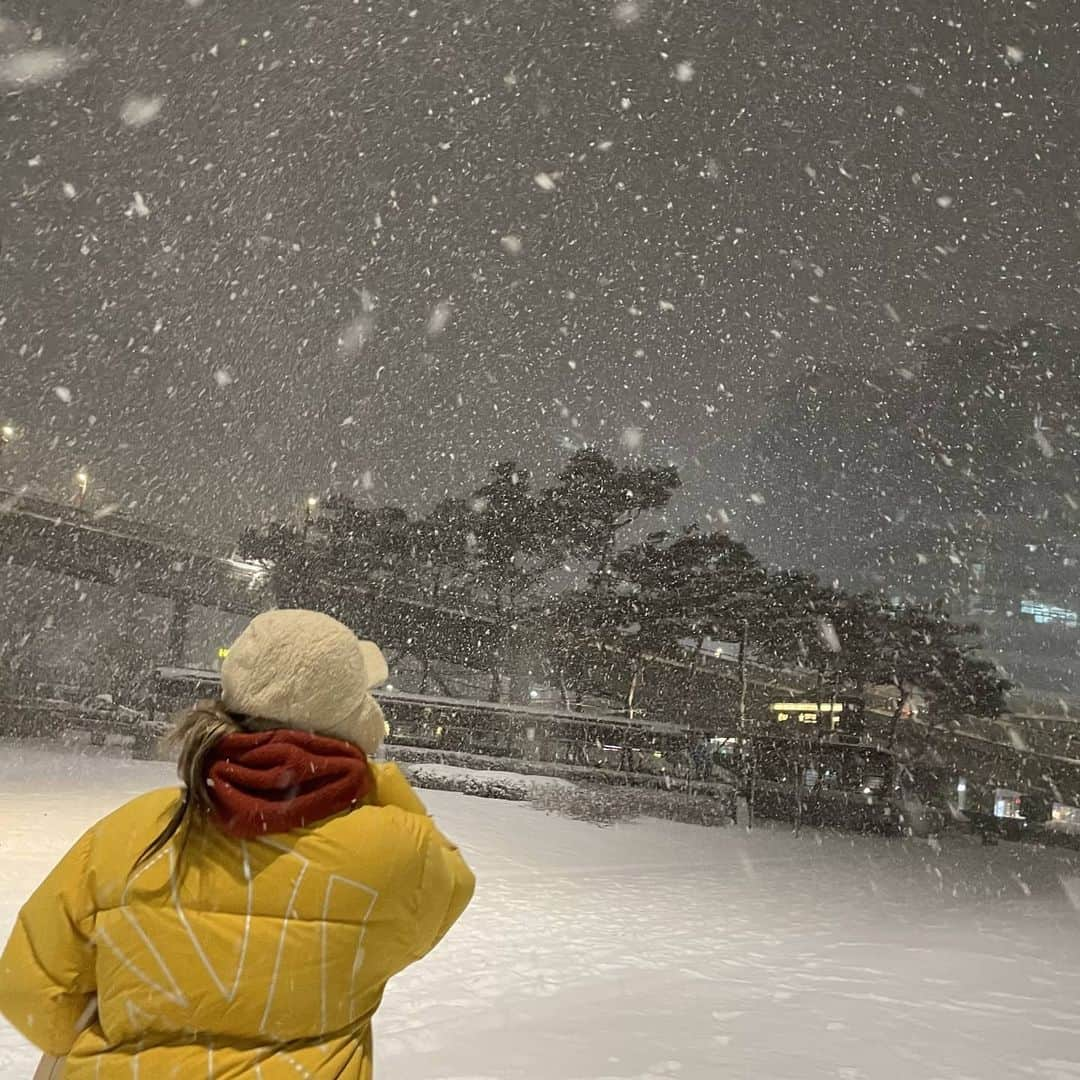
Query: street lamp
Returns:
{"type": "Point", "coordinates": [83, 482]}
{"type": "Point", "coordinates": [311, 504]}
{"type": "Point", "coordinates": [7, 435]}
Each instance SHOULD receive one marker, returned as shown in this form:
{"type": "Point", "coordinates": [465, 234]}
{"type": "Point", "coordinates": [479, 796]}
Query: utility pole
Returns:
{"type": "Point", "coordinates": [311, 505]}
{"type": "Point", "coordinates": [746, 746]}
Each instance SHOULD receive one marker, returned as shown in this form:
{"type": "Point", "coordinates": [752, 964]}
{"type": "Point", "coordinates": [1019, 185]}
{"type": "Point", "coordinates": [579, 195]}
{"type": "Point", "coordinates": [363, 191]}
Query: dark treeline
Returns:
{"type": "Point", "coordinates": [530, 584]}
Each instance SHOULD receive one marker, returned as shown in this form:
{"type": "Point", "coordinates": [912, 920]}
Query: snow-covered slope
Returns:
{"type": "Point", "coordinates": [664, 951]}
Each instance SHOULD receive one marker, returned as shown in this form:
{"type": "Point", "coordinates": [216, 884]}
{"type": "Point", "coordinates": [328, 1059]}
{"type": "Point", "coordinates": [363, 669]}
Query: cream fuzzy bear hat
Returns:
{"type": "Point", "coordinates": [306, 671]}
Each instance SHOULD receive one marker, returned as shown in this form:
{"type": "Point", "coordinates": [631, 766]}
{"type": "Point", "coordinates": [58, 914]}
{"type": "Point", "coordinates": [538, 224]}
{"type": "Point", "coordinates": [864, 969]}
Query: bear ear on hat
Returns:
{"type": "Point", "coordinates": [374, 664]}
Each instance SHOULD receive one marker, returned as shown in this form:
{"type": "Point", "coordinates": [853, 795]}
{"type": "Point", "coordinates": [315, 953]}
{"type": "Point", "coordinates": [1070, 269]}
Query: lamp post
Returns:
{"type": "Point", "coordinates": [83, 482]}
{"type": "Point", "coordinates": [311, 505]}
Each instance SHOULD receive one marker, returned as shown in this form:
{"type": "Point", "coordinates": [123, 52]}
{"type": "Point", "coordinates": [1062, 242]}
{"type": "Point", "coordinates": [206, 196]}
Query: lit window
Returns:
{"type": "Point", "coordinates": [1046, 613]}
{"type": "Point", "coordinates": [1007, 804]}
{"type": "Point", "coordinates": [1066, 815]}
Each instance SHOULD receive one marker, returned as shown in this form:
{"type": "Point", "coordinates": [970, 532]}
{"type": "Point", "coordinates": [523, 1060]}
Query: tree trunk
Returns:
{"type": "Point", "coordinates": [898, 714]}
{"type": "Point", "coordinates": [697, 656]}
{"type": "Point", "coordinates": [799, 770]}
{"type": "Point", "coordinates": [693, 748]}
{"type": "Point", "coordinates": [746, 759]}
{"type": "Point", "coordinates": [751, 795]}
{"type": "Point", "coordinates": [560, 681]}
{"type": "Point", "coordinates": [634, 679]}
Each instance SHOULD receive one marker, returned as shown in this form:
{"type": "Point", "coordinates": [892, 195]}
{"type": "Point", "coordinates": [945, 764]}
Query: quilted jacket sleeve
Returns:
{"type": "Point", "coordinates": [47, 968]}
{"type": "Point", "coordinates": [446, 887]}
{"type": "Point", "coordinates": [446, 882]}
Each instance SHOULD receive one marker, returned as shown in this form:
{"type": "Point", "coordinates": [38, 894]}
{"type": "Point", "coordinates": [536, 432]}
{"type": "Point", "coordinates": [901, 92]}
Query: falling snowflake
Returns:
{"type": "Point", "coordinates": [68, 189]}
{"type": "Point", "coordinates": [356, 335]}
{"type": "Point", "coordinates": [627, 12]}
{"type": "Point", "coordinates": [439, 319]}
{"type": "Point", "coordinates": [63, 393]}
{"type": "Point", "coordinates": [544, 181]}
{"type": "Point", "coordinates": [829, 637]}
{"type": "Point", "coordinates": [223, 378]}
{"type": "Point", "coordinates": [684, 72]}
{"type": "Point", "coordinates": [138, 207]}
{"type": "Point", "coordinates": [511, 245]}
{"type": "Point", "coordinates": [1043, 443]}
{"type": "Point", "coordinates": [631, 439]}
{"type": "Point", "coordinates": [34, 67]}
{"type": "Point", "coordinates": [1016, 738]}
{"type": "Point", "coordinates": [944, 201]}
{"type": "Point", "coordinates": [1014, 54]}
{"type": "Point", "coordinates": [367, 480]}
{"type": "Point", "coordinates": [139, 110]}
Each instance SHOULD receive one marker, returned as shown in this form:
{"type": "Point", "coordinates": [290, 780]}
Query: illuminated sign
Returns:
{"type": "Point", "coordinates": [222, 653]}
{"type": "Point", "coordinates": [808, 706]}
{"type": "Point", "coordinates": [807, 712]}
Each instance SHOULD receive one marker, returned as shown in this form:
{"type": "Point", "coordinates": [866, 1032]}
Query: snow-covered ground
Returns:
{"type": "Point", "coordinates": [665, 951]}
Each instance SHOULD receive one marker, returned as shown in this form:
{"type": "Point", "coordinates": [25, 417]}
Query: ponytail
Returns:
{"type": "Point", "coordinates": [196, 733]}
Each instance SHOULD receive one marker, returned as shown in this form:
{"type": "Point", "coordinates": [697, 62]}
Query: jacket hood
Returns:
{"type": "Point", "coordinates": [276, 781]}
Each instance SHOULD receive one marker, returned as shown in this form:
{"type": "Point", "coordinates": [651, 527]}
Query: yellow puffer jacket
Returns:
{"type": "Point", "coordinates": [264, 958]}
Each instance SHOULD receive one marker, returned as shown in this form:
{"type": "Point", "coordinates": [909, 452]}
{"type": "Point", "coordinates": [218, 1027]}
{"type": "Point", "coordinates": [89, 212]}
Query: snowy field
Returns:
{"type": "Point", "coordinates": [663, 951]}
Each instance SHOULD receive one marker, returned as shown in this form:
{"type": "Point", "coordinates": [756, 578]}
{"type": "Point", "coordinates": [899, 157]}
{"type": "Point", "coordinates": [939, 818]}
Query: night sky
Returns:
{"type": "Point", "coordinates": [377, 246]}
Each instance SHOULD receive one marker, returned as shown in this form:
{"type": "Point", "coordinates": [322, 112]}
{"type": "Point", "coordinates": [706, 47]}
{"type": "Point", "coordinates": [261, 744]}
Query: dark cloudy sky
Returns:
{"type": "Point", "coordinates": [272, 247]}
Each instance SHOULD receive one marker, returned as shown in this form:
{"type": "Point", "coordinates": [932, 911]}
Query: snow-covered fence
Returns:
{"type": "Point", "coordinates": [574, 791]}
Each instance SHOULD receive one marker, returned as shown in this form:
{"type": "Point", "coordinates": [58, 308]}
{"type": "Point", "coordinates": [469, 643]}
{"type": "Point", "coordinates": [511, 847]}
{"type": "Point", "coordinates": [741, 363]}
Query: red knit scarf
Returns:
{"type": "Point", "coordinates": [274, 781]}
